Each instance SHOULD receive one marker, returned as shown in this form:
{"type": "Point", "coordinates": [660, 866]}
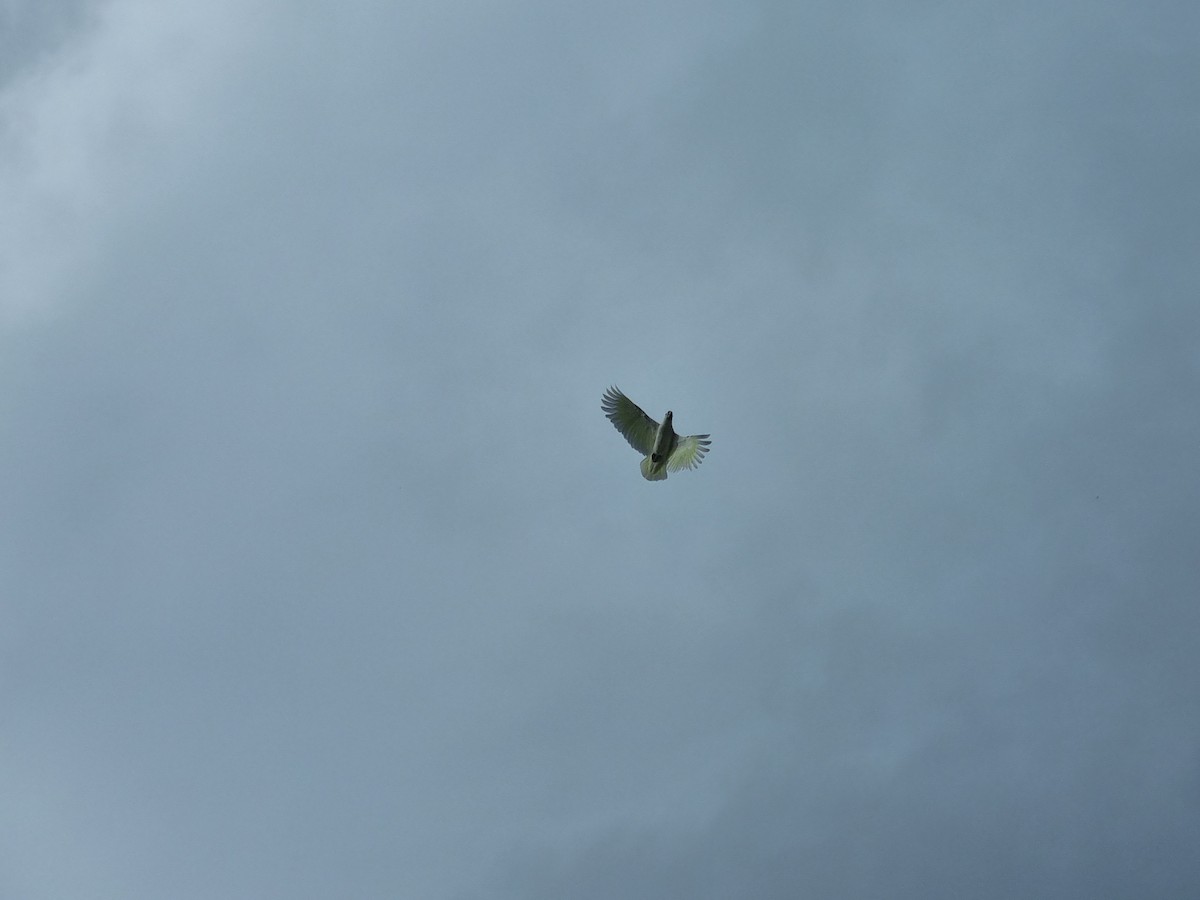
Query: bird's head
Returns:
{"type": "Point", "coordinates": [669, 414]}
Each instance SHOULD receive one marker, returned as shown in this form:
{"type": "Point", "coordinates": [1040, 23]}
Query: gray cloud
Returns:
{"type": "Point", "coordinates": [322, 572]}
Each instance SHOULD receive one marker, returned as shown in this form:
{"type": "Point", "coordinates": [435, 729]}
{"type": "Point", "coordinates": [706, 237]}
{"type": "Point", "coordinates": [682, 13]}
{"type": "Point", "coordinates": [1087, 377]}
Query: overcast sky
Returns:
{"type": "Point", "coordinates": [323, 575]}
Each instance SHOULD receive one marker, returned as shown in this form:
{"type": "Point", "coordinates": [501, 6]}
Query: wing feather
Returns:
{"type": "Point", "coordinates": [688, 453]}
{"type": "Point", "coordinates": [627, 417]}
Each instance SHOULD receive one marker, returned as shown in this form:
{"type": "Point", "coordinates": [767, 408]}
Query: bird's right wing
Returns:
{"type": "Point", "coordinates": [627, 417]}
{"type": "Point", "coordinates": [688, 453]}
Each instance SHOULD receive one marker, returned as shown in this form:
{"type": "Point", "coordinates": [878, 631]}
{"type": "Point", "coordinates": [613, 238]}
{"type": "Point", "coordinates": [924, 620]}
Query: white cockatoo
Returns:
{"type": "Point", "coordinates": [665, 451]}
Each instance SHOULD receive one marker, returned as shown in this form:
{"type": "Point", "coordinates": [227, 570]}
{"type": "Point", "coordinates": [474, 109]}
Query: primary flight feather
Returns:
{"type": "Point", "coordinates": [663, 449]}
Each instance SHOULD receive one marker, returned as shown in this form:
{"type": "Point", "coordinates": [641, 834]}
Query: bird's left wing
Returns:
{"type": "Point", "coordinates": [627, 417]}
{"type": "Point", "coordinates": [688, 453]}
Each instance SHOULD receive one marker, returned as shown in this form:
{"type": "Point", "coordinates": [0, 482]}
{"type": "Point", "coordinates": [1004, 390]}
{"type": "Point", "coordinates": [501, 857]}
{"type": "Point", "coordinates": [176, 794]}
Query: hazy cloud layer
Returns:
{"type": "Point", "coordinates": [322, 574]}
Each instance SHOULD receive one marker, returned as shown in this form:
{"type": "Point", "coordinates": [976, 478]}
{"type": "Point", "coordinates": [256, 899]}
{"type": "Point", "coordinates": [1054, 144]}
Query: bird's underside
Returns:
{"type": "Point", "coordinates": [663, 450]}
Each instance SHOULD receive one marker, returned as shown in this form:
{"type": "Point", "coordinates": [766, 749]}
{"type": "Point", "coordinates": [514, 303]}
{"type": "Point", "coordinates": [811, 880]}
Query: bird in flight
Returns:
{"type": "Point", "coordinates": [665, 451]}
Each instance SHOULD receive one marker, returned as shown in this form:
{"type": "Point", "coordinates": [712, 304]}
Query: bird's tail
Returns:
{"type": "Point", "coordinates": [653, 471]}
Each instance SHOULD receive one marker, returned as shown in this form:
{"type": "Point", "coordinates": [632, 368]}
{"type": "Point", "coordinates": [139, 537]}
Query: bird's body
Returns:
{"type": "Point", "coordinates": [664, 439]}
{"type": "Point", "coordinates": [664, 450]}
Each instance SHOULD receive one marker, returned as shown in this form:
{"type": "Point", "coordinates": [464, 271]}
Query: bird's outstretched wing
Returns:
{"type": "Point", "coordinates": [688, 453]}
{"type": "Point", "coordinates": [627, 417]}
